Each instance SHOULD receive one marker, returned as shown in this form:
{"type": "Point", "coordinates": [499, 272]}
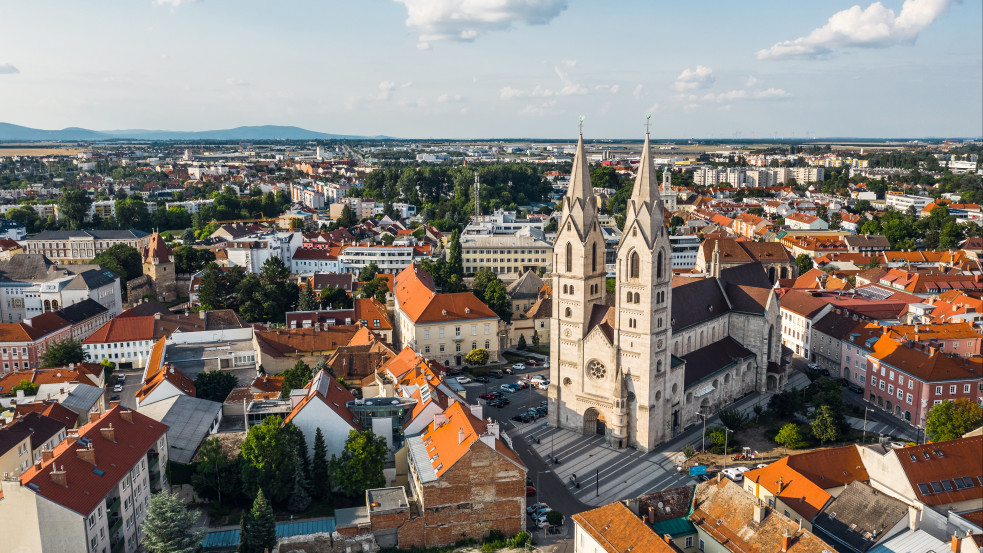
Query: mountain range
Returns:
{"type": "Point", "coordinates": [10, 132]}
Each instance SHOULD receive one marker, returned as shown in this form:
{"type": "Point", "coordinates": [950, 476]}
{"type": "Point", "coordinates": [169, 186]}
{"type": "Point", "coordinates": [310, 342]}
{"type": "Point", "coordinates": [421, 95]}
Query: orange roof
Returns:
{"type": "Point", "coordinates": [448, 440]}
{"type": "Point", "coordinates": [50, 409]}
{"type": "Point", "coordinates": [923, 362]}
{"type": "Point", "coordinates": [134, 434]}
{"type": "Point", "coordinates": [266, 383]}
{"type": "Point", "coordinates": [370, 310]}
{"type": "Point", "coordinates": [157, 250]}
{"type": "Point", "coordinates": [794, 489]}
{"type": "Point", "coordinates": [303, 341]}
{"type": "Point", "coordinates": [924, 465]}
{"type": "Point", "coordinates": [618, 530]}
{"type": "Point", "coordinates": [415, 295]}
{"type": "Point", "coordinates": [329, 391]}
{"type": "Point", "coordinates": [123, 329]}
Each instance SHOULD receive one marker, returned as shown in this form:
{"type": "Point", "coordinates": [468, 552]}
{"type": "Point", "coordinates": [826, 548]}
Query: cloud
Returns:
{"type": "Point", "coordinates": [692, 100]}
{"type": "Point", "coordinates": [637, 93]}
{"type": "Point", "coordinates": [612, 88]}
{"type": "Point", "coordinates": [173, 3]}
{"type": "Point", "coordinates": [407, 84]}
{"type": "Point", "coordinates": [569, 63]}
{"type": "Point", "coordinates": [568, 88]}
{"type": "Point", "coordinates": [465, 20]}
{"type": "Point", "coordinates": [751, 81]}
{"type": "Point", "coordinates": [691, 79]}
{"type": "Point", "coordinates": [771, 93]}
{"type": "Point", "coordinates": [546, 108]}
{"type": "Point", "coordinates": [856, 27]}
{"type": "Point", "coordinates": [385, 90]}
{"type": "Point", "coordinates": [446, 98]}
{"type": "Point", "coordinates": [236, 82]}
{"type": "Point", "coordinates": [7, 69]}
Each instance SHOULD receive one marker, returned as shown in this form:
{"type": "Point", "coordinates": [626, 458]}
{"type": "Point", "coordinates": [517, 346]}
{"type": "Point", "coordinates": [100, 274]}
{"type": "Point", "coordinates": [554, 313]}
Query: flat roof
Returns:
{"type": "Point", "coordinates": [386, 499]}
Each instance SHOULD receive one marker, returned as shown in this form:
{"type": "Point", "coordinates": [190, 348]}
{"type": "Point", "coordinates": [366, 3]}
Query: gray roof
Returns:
{"type": "Point", "coordinates": [859, 517]}
{"type": "Point", "coordinates": [78, 397]}
{"type": "Point", "coordinates": [918, 541]}
{"type": "Point", "coordinates": [421, 460]}
{"type": "Point", "coordinates": [867, 241]}
{"type": "Point", "coordinates": [92, 279]}
{"type": "Point", "coordinates": [695, 301]}
{"type": "Point", "coordinates": [188, 419]}
{"type": "Point", "coordinates": [526, 286]}
{"type": "Point", "coordinates": [96, 234]}
{"type": "Point", "coordinates": [32, 267]}
{"type": "Point", "coordinates": [41, 428]}
{"type": "Point", "coordinates": [78, 312]}
{"type": "Point", "coordinates": [712, 358]}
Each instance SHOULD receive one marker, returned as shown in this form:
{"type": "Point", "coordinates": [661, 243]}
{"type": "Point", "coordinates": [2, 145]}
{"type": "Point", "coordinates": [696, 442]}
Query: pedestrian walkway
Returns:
{"type": "Point", "coordinates": [606, 474]}
{"type": "Point", "coordinates": [876, 429]}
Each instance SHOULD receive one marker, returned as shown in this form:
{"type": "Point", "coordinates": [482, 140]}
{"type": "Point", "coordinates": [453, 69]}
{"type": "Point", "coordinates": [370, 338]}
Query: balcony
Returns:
{"type": "Point", "coordinates": [117, 546]}
{"type": "Point", "coordinates": [153, 459]}
{"type": "Point", "coordinates": [112, 507]}
{"type": "Point", "coordinates": [114, 526]}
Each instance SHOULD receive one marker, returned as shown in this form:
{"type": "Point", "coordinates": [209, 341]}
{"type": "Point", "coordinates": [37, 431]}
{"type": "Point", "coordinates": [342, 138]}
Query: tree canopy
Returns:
{"type": "Point", "coordinates": [215, 385]}
{"type": "Point", "coordinates": [951, 419]}
{"type": "Point", "coordinates": [360, 466]}
{"type": "Point", "coordinates": [170, 527]}
{"type": "Point", "coordinates": [64, 353]}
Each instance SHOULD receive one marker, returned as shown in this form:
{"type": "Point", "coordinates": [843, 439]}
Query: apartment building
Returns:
{"type": "Point", "coordinates": [32, 285]}
{"type": "Point", "coordinates": [252, 252]}
{"type": "Point", "coordinates": [90, 493]}
{"type": "Point", "coordinates": [79, 246]}
{"type": "Point", "coordinates": [685, 249]}
{"type": "Point", "coordinates": [508, 256]}
{"type": "Point", "coordinates": [803, 221]}
{"type": "Point", "coordinates": [800, 311]}
{"type": "Point", "coordinates": [445, 327]}
{"type": "Point", "coordinates": [389, 259]}
{"type": "Point", "coordinates": [902, 202]}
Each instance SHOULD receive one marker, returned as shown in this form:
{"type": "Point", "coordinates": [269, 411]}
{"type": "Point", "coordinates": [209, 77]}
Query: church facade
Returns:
{"type": "Point", "coordinates": [634, 366]}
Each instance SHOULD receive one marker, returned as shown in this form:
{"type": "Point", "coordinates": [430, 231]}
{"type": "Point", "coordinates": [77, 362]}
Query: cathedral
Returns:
{"type": "Point", "coordinates": [640, 365]}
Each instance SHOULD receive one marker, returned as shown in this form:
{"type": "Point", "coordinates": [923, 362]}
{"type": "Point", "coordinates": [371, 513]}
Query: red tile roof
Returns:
{"type": "Point", "coordinates": [157, 250]}
{"type": "Point", "coordinates": [959, 458]}
{"type": "Point", "coordinates": [325, 388]}
{"type": "Point", "coordinates": [450, 437]}
{"type": "Point", "coordinates": [618, 530]}
{"type": "Point", "coordinates": [415, 294]}
{"type": "Point", "coordinates": [123, 329]}
{"type": "Point", "coordinates": [924, 363]}
{"type": "Point", "coordinates": [85, 488]}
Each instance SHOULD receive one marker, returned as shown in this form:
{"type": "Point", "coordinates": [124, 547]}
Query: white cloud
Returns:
{"type": "Point", "coordinates": [731, 95]}
{"type": "Point", "coordinates": [653, 108]}
{"type": "Point", "coordinates": [637, 93]}
{"type": "Point", "coordinates": [615, 89]}
{"type": "Point", "coordinates": [873, 27]}
{"type": "Point", "coordinates": [407, 84]}
{"type": "Point", "coordinates": [612, 88]}
{"type": "Point", "coordinates": [508, 93]}
{"type": "Point", "coordinates": [465, 20]}
{"type": "Point", "coordinates": [173, 3]}
{"type": "Point", "coordinates": [751, 81]}
{"type": "Point", "coordinates": [385, 90]}
{"type": "Point", "coordinates": [546, 108]}
{"type": "Point", "coordinates": [568, 88]}
{"type": "Point", "coordinates": [771, 93]}
{"type": "Point", "coordinates": [691, 79]}
{"type": "Point", "coordinates": [7, 69]}
{"type": "Point", "coordinates": [569, 63]}
{"type": "Point", "coordinates": [446, 98]}
{"type": "Point", "coordinates": [231, 81]}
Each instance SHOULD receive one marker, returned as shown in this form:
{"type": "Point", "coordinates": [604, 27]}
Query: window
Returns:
{"type": "Point", "coordinates": [938, 390]}
{"type": "Point", "coordinates": [457, 332]}
{"type": "Point", "coordinates": [474, 330]}
{"type": "Point", "coordinates": [952, 389]}
{"type": "Point", "coordinates": [426, 349]}
{"type": "Point", "coordinates": [702, 545]}
{"type": "Point", "coordinates": [487, 344]}
{"type": "Point", "coordinates": [965, 388]}
{"type": "Point", "coordinates": [569, 255]}
{"type": "Point", "coordinates": [689, 541]}
{"type": "Point", "coordinates": [92, 520]}
{"type": "Point", "coordinates": [441, 348]}
{"type": "Point", "coordinates": [440, 332]}
{"type": "Point", "coordinates": [593, 257]}
{"type": "Point", "coordinates": [633, 265]}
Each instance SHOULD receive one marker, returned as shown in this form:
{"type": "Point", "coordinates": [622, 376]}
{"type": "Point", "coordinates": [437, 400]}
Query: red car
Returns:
{"type": "Point", "coordinates": [489, 395]}
{"type": "Point", "coordinates": [530, 491]}
{"type": "Point", "coordinates": [532, 362]}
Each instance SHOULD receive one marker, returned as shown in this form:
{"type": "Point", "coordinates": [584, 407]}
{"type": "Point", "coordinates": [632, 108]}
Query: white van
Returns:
{"type": "Point", "coordinates": [735, 473]}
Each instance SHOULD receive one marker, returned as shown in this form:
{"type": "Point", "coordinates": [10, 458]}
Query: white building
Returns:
{"type": "Point", "coordinates": [307, 261]}
{"type": "Point", "coordinates": [323, 404]}
{"type": "Point", "coordinates": [803, 221]}
{"type": "Point", "coordinates": [800, 311]}
{"type": "Point", "coordinates": [684, 250]}
{"type": "Point", "coordinates": [902, 202]}
{"type": "Point", "coordinates": [389, 259]}
{"type": "Point", "coordinates": [252, 252]}
{"type": "Point", "coordinates": [32, 285]}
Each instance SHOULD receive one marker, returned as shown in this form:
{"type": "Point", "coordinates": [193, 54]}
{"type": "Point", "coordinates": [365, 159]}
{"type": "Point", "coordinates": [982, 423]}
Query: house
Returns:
{"type": "Point", "coordinates": [79, 246]}
{"type": "Point", "coordinates": [360, 357]}
{"type": "Point", "coordinates": [800, 311]}
{"type": "Point", "coordinates": [867, 243]}
{"type": "Point", "coordinates": [774, 258]}
{"type": "Point", "coordinates": [443, 326]}
{"type": "Point", "coordinates": [189, 421]}
{"type": "Point", "coordinates": [324, 404]}
{"type": "Point", "coordinates": [22, 344]}
{"type": "Point", "coordinates": [30, 284]}
{"type": "Point", "coordinates": [534, 324]}
{"type": "Point", "coordinates": [365, 311]}
{"type": "Point", "coordinates": [860, 518]}
{"type": "Point", "coordinates": [614, 528]}
{"type": "Point", "coordinates": [161, 380]}
{"type": "Point", "coordinates": [458, 460]}
{"type": "Point", "coordinates": [281, 349]}
{"type": "Point", "coordinates": [728, 520]}
{"type": "Point", "coordinates": [45, 432]}
{"type": "Point", "coordinates": [96, 484]}
{"type": "Point", "coordinates": [802, 221]}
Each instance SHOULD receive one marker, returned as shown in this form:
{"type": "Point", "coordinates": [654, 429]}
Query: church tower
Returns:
{"type": "Point", "coordinates": [643, 311]}
{"type": "Point", "coordinates": [578, 281]}
{"type": "Point", "coordinates": [158, 264]}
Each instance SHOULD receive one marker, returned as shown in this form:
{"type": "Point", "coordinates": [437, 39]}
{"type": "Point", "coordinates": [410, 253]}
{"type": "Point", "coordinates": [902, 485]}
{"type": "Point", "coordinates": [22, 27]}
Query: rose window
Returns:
{"type": "Point", "coordinates": [596, 370]}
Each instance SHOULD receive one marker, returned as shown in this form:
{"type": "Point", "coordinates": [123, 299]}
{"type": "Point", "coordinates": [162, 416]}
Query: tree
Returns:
{"type": "Point", "coordinates": [64, 353]}
{"type": "Point", "coordinates": [295, 378]}
{"type": "Point", "coordinates": [804, 262]}
{"type": "Point", "coordinates": [521, 345]}
{"type": "Point", "coordinates": [498, 300]}
{"type": "Point", "coordinates": [245, 521]}
{"type": "Point", "coordinates": [170, 527]}
{"type": "Point", "coordinates": [481, 280]}
{"type": "Point", "coordinates": [368, 272]}
{"type": "Point", "coordinates": [376, 288]}
{"type": "Point", "coordinates": [733, 418]}
{"type": "Point", "coordinates": [188, 237]}
{"type": "Point", "coordinates": [790, 436]}
{"type": "Point", "coordinates": [835, 219]}
{"type": "Point", "coordinates": [300, 499]}
{"type": "Point", "coordinates": [188, 259]}
{"type": "Point", "coordinates": [455, 263]}
{"type": "Point", "coordinates": [29, 388]}
{"type": "Point", "coordinates": [951, 419]}
{"type": "Point", "coordinates": [360, 466]}
{"type": "Point", "coordinates": [125, 261]}
{"type": "Point", "coordinates": [535, 337]}
{"type": "Point", "coordinates": [306, 301]}
{"type": "Point", "coordinates": [477, 356]}
{"type": "Point", "coordinates": [259, 533]}
{"type": "Point", "coordinates": [824, 425]}
{"type": "Point", "coordinates": [269, 453]}
{"type": "Point", "coordinates": [73, 205]}
{"type": "Point", "coordinates": [320, 476]}
{"type": "Point", "coordinates": [216, 475]}
{"type": "Point", "coordinates": [347, 218]}
{"type": "Point", "coordinates": [336, 298]}
{"type": "Point", "coordinates": [215, 385]}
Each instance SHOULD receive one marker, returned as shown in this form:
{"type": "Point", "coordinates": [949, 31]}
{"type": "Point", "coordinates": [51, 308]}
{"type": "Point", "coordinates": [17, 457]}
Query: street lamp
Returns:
{"type": "Point", "coordinates": [727, 433]}
{"type": "Point", "coordinates": [866, 409]}
{"type": "Point", "coordinates": [704, 415]}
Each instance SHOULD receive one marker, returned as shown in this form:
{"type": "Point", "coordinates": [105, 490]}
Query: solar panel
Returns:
{"type": "Point", "coordinates": [947, 485]}
{"type": "Point", "coordinates": [967, 482]}
{"type": "Point", "coordinates": [924, 489]}
{"type": "Point", "coordinates": [936, 487]}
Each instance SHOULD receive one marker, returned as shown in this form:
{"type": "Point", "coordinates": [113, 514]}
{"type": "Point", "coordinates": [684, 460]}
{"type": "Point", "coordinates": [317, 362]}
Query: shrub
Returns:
{"type": "Point", "coordinates": [733, 419]}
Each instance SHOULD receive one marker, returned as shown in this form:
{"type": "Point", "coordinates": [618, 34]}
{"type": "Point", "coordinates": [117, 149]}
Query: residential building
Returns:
{"type": "Point", "coordinates": [904, 202]}
{"type": "Point", "coordinates": [96, 484]}
{"type": "Point", "coordinates": [860, 518]}
{"type": "Point", "coordinates": [507, 256]}
{"type": "Point", "coordinates": [803, 221]}
{"type": "Point", "coordinates": [614, 528]}
{"type": "Point", "coordinates": [281, 349]}
{"type": "Point", "coordinates": [311, 261]}
{"type": "Point", "coordinates": [323, 404]}
{"type": "Point", "coordinates": [685, 250]}
{"type": "Point", "coordinates": [445, 327]}
{"type": "Point", "coordinates": [389, 259]}
{"type": "Point", "coordinates": [360, 357]}
{"type": "Point", "coordinates": [524, 292]}
{"type": "Point", "coordinates": [867, 243]}
{"type": "Point", "coordinates": [9, 248]}
{"type": "Point", "coordinates": [800, 311]}
{"type": "Point", "coordinates": [31, 285]}
{"type": "Point", "coordinates": [774, 258]}
{"type": "Point", "coordinates": [189, 421]}
{"type": "Point", "coordinates": [15, 451]}
{"type": "Point", "coordinates": [80, 246]}
{"type": "Point", "coordinates": [461, 459]}
{"type": "Point", "coordinates": [367, 312]}
{"type": "Point", "coordinates": [162, 380]}
{"type": "Point", "coordinates": [828, 334]}
{"type": "Point", "coordinates": [252, 252]}
{"type": "Point", "coordinates": [908, 379]}
{"type": "Point", "coordinates": [12, 230]}
{"type": "Point", "coordinates": [45, 432]}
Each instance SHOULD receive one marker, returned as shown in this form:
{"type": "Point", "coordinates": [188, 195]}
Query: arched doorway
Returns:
{"type": "Point", "coordinates": [772, 382]}
{"type": "Point", "coordinates": [593, 423]}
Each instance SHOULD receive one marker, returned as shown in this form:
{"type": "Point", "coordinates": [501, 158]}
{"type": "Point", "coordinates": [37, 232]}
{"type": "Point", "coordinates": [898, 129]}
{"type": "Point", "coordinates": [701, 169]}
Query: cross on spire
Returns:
{"type": "Point", "coordinates": [648, 121]}
{"type": "Point", "coordinates": [581, 124]}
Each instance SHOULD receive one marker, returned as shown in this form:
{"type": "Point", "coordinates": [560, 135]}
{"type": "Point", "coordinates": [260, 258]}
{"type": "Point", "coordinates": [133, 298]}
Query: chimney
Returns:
{"type": "Point", "coordinates": [781, 484]}
{"type": "Point", "coordinates": [87, 454]}
{"type": "Point", "coordinates": [59, 476]}
{"type": "Point", "coordinates": [652, 513]}
{"type": "Point", "coordinates": [47, 455]}
{"type": "Point", "coordinates": [109, 433]}
{"type": "Point", "coordinates": [126, 415]}
{"type": "Point", "coordinates": [202, 314]}
{"type": "Point", "coordinates": [493, 428]}
{"type": "Point", "coordinates": [439, 419]}
{"type": "Point", "coordinates": [668, 538]}
{"type": "Point", "coordinates": [460, 436]}
{"type": "Point", "coordinates": [786, 541]}
{"type": "Point", "coordinates": [113, 404]}
{"type": "Point", "coordinates": [760, 511]}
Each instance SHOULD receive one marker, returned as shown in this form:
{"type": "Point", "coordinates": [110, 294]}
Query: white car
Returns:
{"type": "Point", "coordinates": [543, 384]}
{"type": "Point", "coordinates": [536, 377]}
{"type": "Point", "coordinates": [118, 387]}
{"type": "Point", "coordinates": [518, 367]}
{"type": "Point", "coordinates": [463, 380]}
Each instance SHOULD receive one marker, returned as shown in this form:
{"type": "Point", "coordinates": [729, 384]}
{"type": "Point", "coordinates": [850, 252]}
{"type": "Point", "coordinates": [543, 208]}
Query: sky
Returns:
{"type": "Point", "coordinates": [499, 68]}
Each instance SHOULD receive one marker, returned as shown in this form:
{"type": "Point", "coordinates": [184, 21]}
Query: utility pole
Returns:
{"type": "Point", "coordinates": [866, 410]}
{"type": "Point", "coordinates": [704, 415]}
{"type": "Point", "coordinates": [727, 433]}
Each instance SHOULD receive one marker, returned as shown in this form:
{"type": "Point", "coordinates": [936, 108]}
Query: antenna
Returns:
{"type": "Point", "coordinates": [477, 195]}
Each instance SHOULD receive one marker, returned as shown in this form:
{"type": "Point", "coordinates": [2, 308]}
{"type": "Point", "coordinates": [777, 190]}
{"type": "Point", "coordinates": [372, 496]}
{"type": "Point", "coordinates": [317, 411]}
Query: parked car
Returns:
{"type": "Point", "coordinates": [518, 367]}
{"type": "Point", "coordinates": [506, 388]}
{"type": "Point", "coordinates": [532, 362]}
{"type": "Point", "coordinates": [118, 387]}
{"type": "Point", "coordinates": [537, 377]}
{"type": "Point", "coordinates": [497, 373]}
{"type": "Point", "coordinates": [536, 506]}
{"type": "Point", "coordinates": [855, 388]}
{"type": "Point", "coordinates": [114, 397]}
{"type": "Point", "coordinates": [735, 473]}
{"type": "Point", "coordinates": [543, 384]}
{"type": "Point", "coordinates": [498, 403]}
{"type": "Point", "coordinates": [540, 523]}
{"type": "Point", "coordinates": [539, 511]}
{"type": "Point", "coordinates": [482, 379]}
{"type": "Point", "coordinates": [545, 365]}
{"type": "Point", "coordinates": [530, 491]}
{"type": "Point", "coordinates": [490, 395]}
{"type": "Point", "coordinates": [463, 380]}
{"type": "Point", "coordinates": [813, 366]}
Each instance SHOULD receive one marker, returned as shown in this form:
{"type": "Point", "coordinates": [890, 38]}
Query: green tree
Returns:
{"type": "Point", "coordinates": [336, 298]}
{"type": "Point", "coordinates": [29, 388]}
{"type": "Point", "coordinates": [269, 453]}
{"type": "Point", "coordinates": [132, 212]}
{"type": "Point", "coordinates": [804, 263]}
{"type": "Point", "coordinates": [498, 300]}
{"type": "Point", "coordinates": [320, 470]}
{"type": "Point", "coordinates": [535, 337]}
{"type": "Point", "coordinates": [295, 378]}
{"type": "Point", "coordinates": [951, 419]}
{"type": "Point", "coordinates": [835, 219]}
{"type": "Point", "coordinates": [125, 261]}
{"type": "Point", "coordinates": [824, 425]}
{"type": "Point", "coordinates": [73, 205]}
{"type": "Point", "coordinates": [188, 237]}
{"type": "Point", "coordinates": [347, 218]}
{"type": "Point", "coordinates": [521, 345]}
{"type": "Point", "coordinates": [306, 301]}
{"type": "Point", "coordinates": [216, 475]}
{"type": "Point", "coordinates": [260, 527]}
{"type": "Point", "coordinates": [360, 466]}
{"type": "Point", "coordinates": [368, 272]}
{"type": "Point", "coordinates": [481, 280]}
{"type": "Point", "coordinates": [376, 288]}
{"type": "Point", "coordinates": [455, 263]}
{"type": "Point", "coordinates": [300, 499]}
{"type": "Point", "coordinates": [790, 436]}
{"type": "Point", "coordinates": [215, 385]}
{"type": "Point", "coordinates": [64, 353]}
{"type": "Point", "coordinates": [478, 356]}
{"type": "Point", "coordinates": [170, 527]}
{"type": "Point", "coordinates": [188, 259]}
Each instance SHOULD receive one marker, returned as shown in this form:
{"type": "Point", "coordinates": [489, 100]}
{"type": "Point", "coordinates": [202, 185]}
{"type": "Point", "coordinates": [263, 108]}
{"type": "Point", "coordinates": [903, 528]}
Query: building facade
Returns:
{"type": "Point", "coordinates": [80, 246]}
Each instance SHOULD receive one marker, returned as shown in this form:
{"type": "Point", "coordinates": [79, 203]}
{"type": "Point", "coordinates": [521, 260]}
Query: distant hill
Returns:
{"type": "Point", "coordinates": [9, 132]}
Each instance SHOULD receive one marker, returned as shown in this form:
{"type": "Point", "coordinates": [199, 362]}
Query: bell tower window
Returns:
{"type": "Point", "coordinates": [633, 265]}
{"type": "Point", "coordinates": [569, 256]}
{"type": "Point", "coordinates": [658, 266]}
{"type": "Point", "coordinates": [593, 257]}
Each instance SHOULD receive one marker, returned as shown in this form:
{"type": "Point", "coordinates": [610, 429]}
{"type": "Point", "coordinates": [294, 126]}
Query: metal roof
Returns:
{"type": "Point", "coordinates": [188, 419]}
{"type": "Point", "coordinates": [228, 540]}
